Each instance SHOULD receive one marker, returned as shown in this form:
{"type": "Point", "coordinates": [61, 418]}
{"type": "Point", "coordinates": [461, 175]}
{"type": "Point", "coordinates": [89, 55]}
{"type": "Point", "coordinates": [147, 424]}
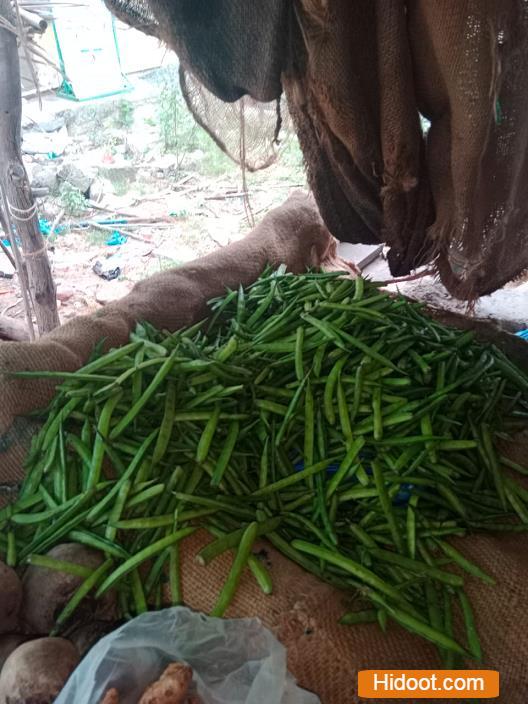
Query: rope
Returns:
{"type": "Point", "coordinates": [36, 253]}
{"type": "Point", "coordinates": [278, 123]}
{"type": "Point", "coordinates": [242, 151]}
{"type": "Point", "coordinates": [20, 214]}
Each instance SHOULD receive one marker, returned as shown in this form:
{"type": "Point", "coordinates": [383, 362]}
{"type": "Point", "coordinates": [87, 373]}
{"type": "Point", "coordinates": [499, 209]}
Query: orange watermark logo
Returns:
{"type": "Point", "coordinates": [428, 684]}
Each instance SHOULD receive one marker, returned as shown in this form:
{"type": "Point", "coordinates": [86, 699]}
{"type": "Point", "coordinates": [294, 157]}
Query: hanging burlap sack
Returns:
{"type": "Point", "coordinates": [302, 611]}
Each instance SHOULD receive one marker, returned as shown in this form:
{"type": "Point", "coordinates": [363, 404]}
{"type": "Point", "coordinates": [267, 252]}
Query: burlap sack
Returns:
{"type": "Point", "coordinates": [303, 611]}
{"type": "Point", "coordinates": [325, 657]}
{"type": "Point", "coordinates": [360, 74]}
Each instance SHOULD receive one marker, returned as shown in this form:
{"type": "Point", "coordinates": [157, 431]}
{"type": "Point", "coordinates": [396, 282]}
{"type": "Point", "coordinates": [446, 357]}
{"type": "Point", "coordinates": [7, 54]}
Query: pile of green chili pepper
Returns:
{"type": "Point", "coordinates": [344, 425]}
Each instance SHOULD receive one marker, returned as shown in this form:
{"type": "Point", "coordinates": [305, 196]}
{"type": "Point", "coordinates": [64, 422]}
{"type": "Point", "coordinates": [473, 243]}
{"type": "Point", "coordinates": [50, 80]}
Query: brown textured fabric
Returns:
{"type": "Point", "coordinates": [470, 62]}
{"type": "Point", "coordinates": [233, 48]}
{"type": "Point", "coordinates": [360, 73]}
{"type": "Point", "coordinates": [325, 657]}
{"type": "Point", "coordinates": [302, 611]}
{"type": "Point", "coordinates": [351, 93]}
{"type": "Point", "coordinates": [357, 75]}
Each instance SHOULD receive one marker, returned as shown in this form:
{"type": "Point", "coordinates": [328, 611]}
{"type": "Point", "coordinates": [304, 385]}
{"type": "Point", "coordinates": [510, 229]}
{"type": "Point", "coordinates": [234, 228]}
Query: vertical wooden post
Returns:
{"type": "Point", "coordinates": [20, 209]}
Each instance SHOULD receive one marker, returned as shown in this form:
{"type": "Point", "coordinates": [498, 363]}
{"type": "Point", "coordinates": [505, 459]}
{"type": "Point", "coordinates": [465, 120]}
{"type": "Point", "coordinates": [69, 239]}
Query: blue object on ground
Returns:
{"type": "Point", "coordinates": [45, 227]}
{"type": "Point", "coordinates": [331, 469]}
{"type": "Point", "coordinates": [403, 495]}
{"type": "Point", "coordinates": [401, 498]}
{"type": "Point", "coordinates": [523, 334]}
{"type": "Point", "coordinates": [112, 221]}
{"type": "Point", "coordinates": [116, 238]}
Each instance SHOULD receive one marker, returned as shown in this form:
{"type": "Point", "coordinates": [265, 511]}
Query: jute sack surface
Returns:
{"type": "Point", "coordinates": [303, 611]}
{"type": "Point", "coordinates": [325, 657]}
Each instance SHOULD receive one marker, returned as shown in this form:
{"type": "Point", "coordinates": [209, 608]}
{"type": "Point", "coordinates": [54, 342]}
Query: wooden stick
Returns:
{"type": "Point", "coordinates": [20, 267]}
{"type": "Point", "coordinates": [369, 258]}
{"type": "Point", "coordinates": [111, 228]}
{"type": "Point", "coordinates": [33, 20]}
{"type": "Point", "coordinates": [5, 228]}
{"type": "Point", "coordinates": [411, 277]}
{"type": "Point", "coordinates": [96, 206]}
{"type": "Point", "coordinates": [235, 193]}
{"type": "Point", "coordinates": [57, 221]}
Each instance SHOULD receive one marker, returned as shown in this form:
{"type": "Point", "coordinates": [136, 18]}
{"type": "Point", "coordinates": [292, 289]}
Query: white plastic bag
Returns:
{"type": "Point", "coordinates": [235, 661]}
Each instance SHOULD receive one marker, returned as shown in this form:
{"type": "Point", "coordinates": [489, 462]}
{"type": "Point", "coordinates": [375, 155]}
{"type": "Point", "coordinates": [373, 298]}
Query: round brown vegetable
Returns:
{"type": "Point", "coordinates": [36, 671]}
{"type": "Point", "coordinates": [88, 634]}
{"type": "Point", "coordinates": [8, 643]}
{"type": "Point", "coordinates": [46, 591]}
{"type": "Point", "coordinates": [11, 598]}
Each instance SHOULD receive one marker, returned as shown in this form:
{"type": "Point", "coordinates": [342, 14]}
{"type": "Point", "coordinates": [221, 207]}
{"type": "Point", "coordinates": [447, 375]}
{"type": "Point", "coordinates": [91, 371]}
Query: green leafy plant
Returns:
{"type": "Point", "coordinates": [71, 199]}
{"type": "Point", "coordinates": [124, 115]}
{"type": "Point", "coordinates": [180, 135]}
{"type": "Point", "coordinates": [177, 126]}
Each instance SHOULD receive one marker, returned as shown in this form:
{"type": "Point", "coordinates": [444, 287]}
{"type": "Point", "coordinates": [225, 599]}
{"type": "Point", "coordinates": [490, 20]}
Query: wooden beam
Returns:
{"type": "Point", "coordinates": [18, 204]}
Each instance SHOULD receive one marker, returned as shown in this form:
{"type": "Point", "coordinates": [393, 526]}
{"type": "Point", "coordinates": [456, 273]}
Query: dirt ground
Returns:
{"type": "Point", "coordinates": [160, 206]}
{"type": "Point", "coordinates": [207, 214]}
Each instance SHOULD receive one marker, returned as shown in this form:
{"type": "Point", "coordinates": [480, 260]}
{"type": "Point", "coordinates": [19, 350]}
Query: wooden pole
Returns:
{"type": "Point", "coordinates": [21, 271]}
{"type": "Point", "coordinates": [20, 209]}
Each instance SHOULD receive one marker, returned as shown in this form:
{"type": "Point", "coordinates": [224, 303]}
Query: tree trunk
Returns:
{"type": "Point", "coordinates": [19, 206]}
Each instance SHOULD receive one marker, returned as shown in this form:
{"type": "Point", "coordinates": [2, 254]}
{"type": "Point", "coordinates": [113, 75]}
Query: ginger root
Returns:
{"type": "Point", "coordinates": [111, 697]}
{"type": "Point", "coordinates": [171, 688]}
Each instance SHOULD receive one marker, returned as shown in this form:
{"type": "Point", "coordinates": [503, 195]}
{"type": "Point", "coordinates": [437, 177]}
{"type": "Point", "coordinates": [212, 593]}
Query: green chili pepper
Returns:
{"type": "Point", "coordinates": [239, 563]}
{"type": "Point", "coordinates": [207, 436]}
{"type": "Point", "coordinates": [227, 451]}
{"type": "Point", "coordinates": [161, 374]}
{"type": "Point", "coordinates": [473, 640]}
{"type": "Point", "coordinates": [386, 504]}
{"type": "Point", "coordinates": [411, 623]}
{"type": "Point", "coordinates": [354, 617]}
{"type": "Point", "coordinates": [83, 591]}
{"type": "Point", "coordinates": [345, 466]}
{"type": "Point", "coordinates": [141, 557]}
